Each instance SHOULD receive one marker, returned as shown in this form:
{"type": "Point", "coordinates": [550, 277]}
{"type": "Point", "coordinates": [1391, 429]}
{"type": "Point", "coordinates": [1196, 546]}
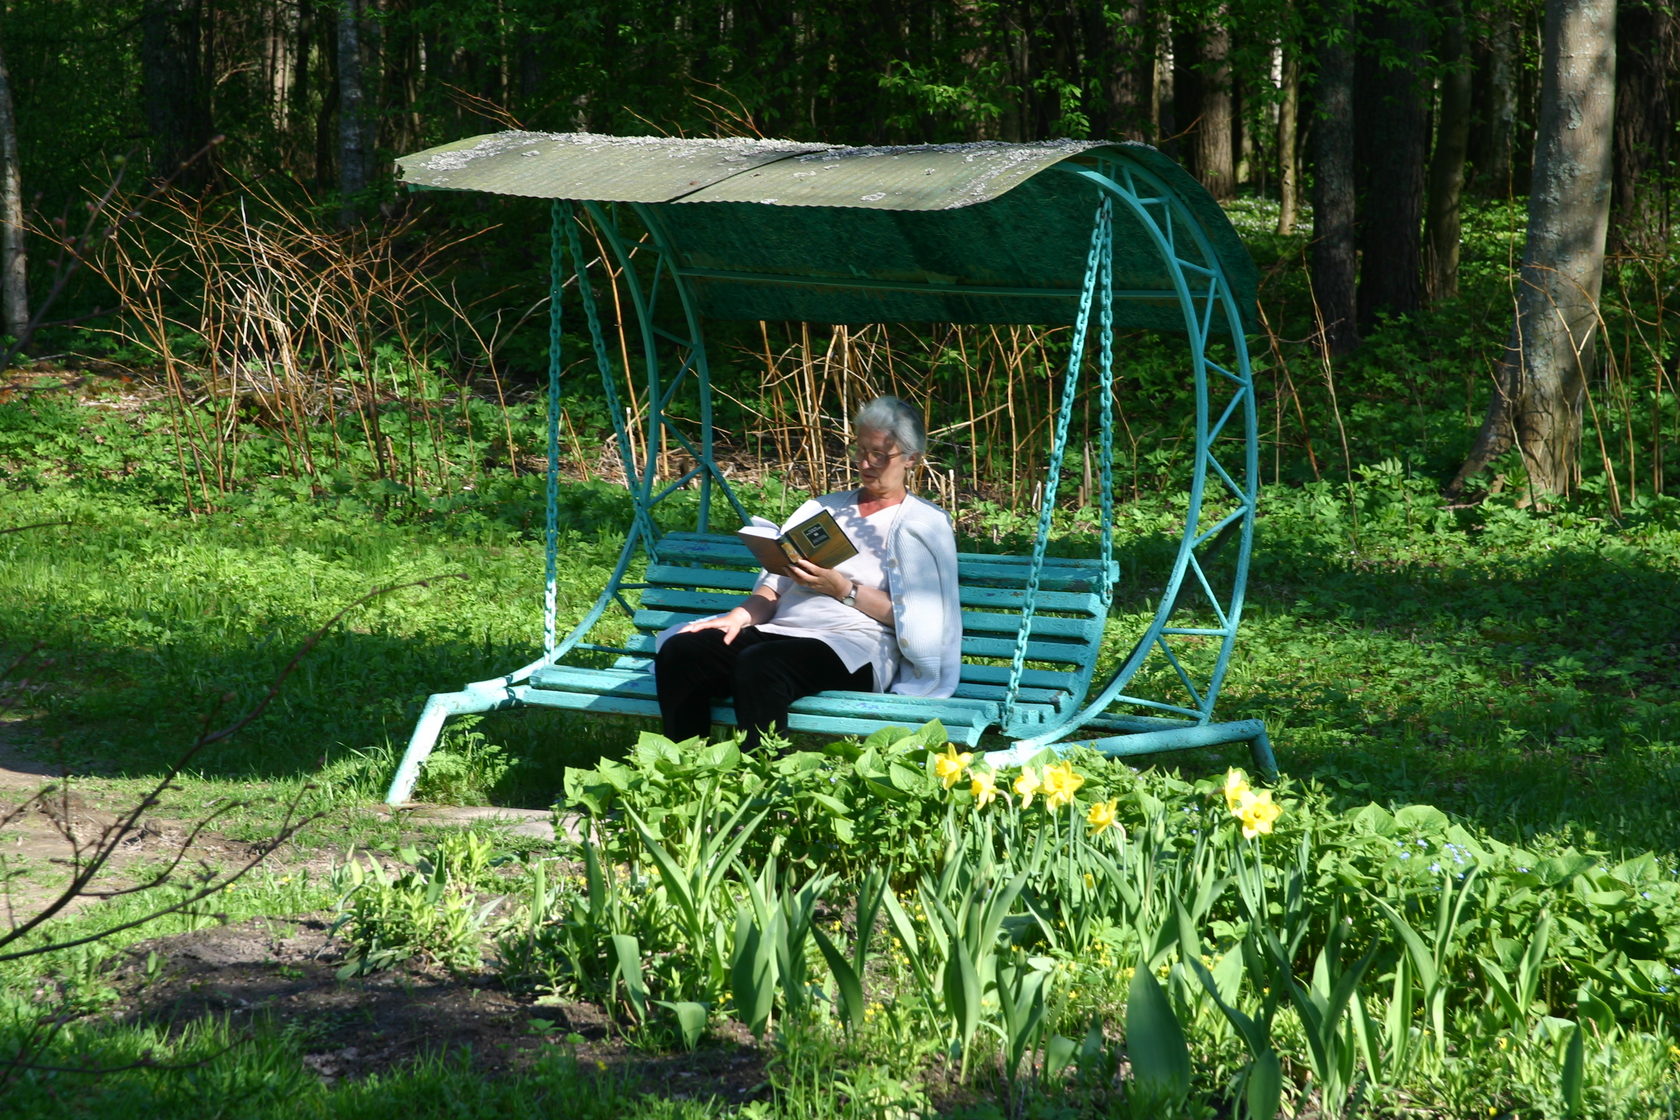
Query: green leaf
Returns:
{"type": "Point", "coordinates": [962, 991]}
{"type": "Point", "coordinates": [1058, 1055]}
{"type": "Point", "coordinates": [752, 973]}
{"type": "Point", "coordinates": [906, 780]}
{"type": "Point", "coordinates": [1021, 999]}
{"type": "Point", "coordinates": [1573, 1073]}
{"type": "Point", "coordinates": [846, 981]}
{"type": "Point", "coordinates": [627, 952]}
{"type": "Point", "coordinates": [718, 756]}
{"type": "Point", "coordinates": [1263, 1092]}
{"type": "Point", "coordinates": [1421, 818]}
{"type": "Point", "coordinates": [1155, 1042]}
{"type": "Point", "coordinates": [1255, 1035]}
{"type": "Point", "coordinates": [833, 804]}
{"type": "Point", "coordinates": [1373, 818]}
{"type": "Point", "coordinates": [691, 1020]}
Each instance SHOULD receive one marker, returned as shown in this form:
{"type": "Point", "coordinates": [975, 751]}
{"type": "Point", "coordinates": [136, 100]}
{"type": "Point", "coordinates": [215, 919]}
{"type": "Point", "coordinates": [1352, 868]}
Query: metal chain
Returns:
{"type": "Point", "coordinates": [1100, 240]}
{"type": "Point", "coordinates": [559, 214]}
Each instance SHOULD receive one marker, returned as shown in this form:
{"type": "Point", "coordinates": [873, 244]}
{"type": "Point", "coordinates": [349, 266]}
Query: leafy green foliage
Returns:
{"type": "Point", "coordinates": [432, 910]}
{"type": "Point", "coordinates": [1367, 946]}
{"type": "Point", "coordinates": [1463, 696]}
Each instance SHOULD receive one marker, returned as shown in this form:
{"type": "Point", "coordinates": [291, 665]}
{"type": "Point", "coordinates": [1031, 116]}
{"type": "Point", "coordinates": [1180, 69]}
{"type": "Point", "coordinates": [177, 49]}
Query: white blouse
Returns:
{"type": "Point", "coordinates": [802, 613]}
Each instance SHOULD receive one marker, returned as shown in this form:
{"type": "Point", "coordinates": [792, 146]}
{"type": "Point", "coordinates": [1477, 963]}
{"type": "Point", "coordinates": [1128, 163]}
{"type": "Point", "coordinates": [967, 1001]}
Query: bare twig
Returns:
{"type": "Point", "coordinates": [90, 858]}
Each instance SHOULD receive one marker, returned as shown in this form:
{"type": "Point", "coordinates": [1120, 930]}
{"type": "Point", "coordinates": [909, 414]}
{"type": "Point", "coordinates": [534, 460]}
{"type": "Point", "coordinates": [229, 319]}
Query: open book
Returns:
{"type": "Point", "coordinates": [818, 539]}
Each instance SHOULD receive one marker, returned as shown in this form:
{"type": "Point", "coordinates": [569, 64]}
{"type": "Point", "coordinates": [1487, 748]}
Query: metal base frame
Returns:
{"type": "Point", "coordinates": [1220, 506]}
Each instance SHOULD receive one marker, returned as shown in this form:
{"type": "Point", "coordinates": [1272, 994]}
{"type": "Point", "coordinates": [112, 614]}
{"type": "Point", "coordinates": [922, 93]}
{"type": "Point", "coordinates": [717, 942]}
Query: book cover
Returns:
{"type": "Point", "coordinates": [818, 539]}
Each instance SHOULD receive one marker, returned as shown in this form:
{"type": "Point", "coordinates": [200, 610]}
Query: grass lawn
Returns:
{"type": "Point", "coordinates": [1462, 898]}
{"type": "Point", "coordinates": [1510, 670]}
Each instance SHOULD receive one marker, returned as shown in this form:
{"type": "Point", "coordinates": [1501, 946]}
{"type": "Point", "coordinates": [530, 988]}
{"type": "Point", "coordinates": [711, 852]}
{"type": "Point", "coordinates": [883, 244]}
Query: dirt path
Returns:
{"type": "Point", "coordinates": [282, 973]}
{"type": "Point", "coordinates": [52, 825]}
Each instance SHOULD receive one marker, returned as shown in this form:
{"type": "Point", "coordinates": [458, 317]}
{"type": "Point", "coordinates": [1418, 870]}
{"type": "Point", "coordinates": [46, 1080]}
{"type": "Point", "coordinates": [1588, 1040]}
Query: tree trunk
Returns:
{"type": "Point", "coordinates": [289, 42]}
{"type": "Point", "coordinates": [1202, 90]}
{"type": "Point", "coordinates": [14, 271]}
{"type": "Point", "coordinates": [1389, 146]}
{"type": "Point", "coordinates": [1446, 167]}
{"type": "Point", "coordinates": [1161, 89]}
{"type": "Point", "coordinates": [1647, 55]}
{"type": "Point", "coordinates": [299, 124]}
{"type": "Point", "coordinates": [172, 86]}
{"type": "Point", "coordinates": [353, 154]}
{"type": "Point", "coordinates": [1130, 72]}
{"type": "Point", "coordinates": [1289, 161]}
{"type": "Point", "coordinates": [1334, 255]}
{"type": "Point", "coordinates": [1494, 130]}
{"type": "Point", "coordinates": [1541, 381]}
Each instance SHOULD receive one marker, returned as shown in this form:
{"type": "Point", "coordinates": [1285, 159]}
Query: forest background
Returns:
{"type": "Point", "coordinates": [248, 377]}
{"type": "Point", "coordinates": [1385, 123]}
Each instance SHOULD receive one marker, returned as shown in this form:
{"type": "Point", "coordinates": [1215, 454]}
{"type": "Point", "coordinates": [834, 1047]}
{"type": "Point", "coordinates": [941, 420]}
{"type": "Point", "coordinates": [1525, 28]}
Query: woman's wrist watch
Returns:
{"type": "Point", "coordinates": [850, 598]}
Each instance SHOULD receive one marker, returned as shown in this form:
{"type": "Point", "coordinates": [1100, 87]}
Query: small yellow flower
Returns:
{"type": "Point", "coordinates": [1027, 784]}
{"type": "Point", "coordinates": [1257, 812]}
{"type": "Point", "coordinates": [1060, 784]}
{"type": "Point", "coordinates": [950, 765]}
{"type": "Point", "coordinates": [1236, 784]}
{"type": "Point", "coordinates": [983, 785]}
{"type": "Point", "coordinates": [1103, 815]}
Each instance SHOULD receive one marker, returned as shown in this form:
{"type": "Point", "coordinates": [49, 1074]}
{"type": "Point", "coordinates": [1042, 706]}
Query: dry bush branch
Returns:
{"type": "Point", "coordinates": [91, 855]}
{"type": "Point", "coordinates": [254, 311]}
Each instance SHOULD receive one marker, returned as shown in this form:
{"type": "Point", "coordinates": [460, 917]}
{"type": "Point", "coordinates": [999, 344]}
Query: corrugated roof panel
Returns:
{"type": "Point", "coordinates": [925, 177]}
{"type": "Point", "coordinates": [959, 233]}
{"type": "Point", "coordinates": [580, 165]}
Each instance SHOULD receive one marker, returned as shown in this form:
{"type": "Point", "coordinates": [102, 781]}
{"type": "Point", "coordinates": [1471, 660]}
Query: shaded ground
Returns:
{"type": "Point", "coordinates": [280, 974]}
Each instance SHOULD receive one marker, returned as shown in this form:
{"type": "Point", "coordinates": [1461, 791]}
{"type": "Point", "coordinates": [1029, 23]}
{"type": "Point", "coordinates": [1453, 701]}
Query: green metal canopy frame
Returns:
{"type": "Point", "coordinates": [1098, 236]}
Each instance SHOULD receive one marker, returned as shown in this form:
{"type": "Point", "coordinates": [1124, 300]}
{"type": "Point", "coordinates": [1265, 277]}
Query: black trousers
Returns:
{"type": "Point", "coordinates": [765, 673]}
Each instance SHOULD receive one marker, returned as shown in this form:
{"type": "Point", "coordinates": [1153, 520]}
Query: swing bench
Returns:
{"type": "Point", "coordinates": [1097, 236]}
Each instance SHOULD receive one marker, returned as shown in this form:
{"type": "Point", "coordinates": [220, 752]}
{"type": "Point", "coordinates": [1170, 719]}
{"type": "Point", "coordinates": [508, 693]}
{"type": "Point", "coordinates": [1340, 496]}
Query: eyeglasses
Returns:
{"type": "Point", "coordinates": [873, 459]}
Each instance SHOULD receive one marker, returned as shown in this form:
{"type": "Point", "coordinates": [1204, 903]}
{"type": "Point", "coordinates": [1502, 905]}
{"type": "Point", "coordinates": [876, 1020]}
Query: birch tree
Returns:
{"type": "Point", "coordinates": [14, 290]}
{"type": "Point", "coordinates": [1541, 382]}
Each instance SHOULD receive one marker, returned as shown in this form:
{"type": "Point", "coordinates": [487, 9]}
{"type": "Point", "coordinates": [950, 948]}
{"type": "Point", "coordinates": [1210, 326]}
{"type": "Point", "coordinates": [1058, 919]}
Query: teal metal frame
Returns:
{"type": "Point", "coordinates": [1209, 308]}
{"type": "Point", "coordinates": [1225, 417]}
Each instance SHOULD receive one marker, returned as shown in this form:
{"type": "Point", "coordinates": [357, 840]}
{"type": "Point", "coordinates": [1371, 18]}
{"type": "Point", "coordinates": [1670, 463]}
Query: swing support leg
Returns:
{"type": "Point", "coordinates": [1250, 731]}
{"type": "Point", "coordinates": [439, 707]}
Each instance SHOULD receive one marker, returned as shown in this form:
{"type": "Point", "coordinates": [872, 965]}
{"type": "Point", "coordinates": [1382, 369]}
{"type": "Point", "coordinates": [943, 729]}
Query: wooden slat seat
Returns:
{"type": "Point", "coordinates": [694, 575]}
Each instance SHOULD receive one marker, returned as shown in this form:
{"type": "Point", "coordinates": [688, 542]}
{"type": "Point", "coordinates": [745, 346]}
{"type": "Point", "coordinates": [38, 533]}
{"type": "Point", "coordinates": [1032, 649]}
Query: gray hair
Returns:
{"type": "Point", "coordinates": [897, 419]}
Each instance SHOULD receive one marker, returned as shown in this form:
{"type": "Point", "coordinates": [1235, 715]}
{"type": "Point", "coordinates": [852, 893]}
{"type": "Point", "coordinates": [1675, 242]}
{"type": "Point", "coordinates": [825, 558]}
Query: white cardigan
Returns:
{"type": "Point", "coordinates": [921, 567]}
{"type": "Point", "coordinates": [921, 570]}
{"type": "Point", "coordinates": [927, 616]}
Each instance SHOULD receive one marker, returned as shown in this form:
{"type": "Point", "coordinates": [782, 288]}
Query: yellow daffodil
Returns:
{"type": "Point", "coordinates": [983, 785]}
{"type": "Point", "coordinates": [1236, 784]}
{"type": "Point", "coordinates": [1027, 784]}
{"type": "Point", "coordinates": [1060, 784]}
{"type": "Point", "coordinates": [950, 765]}
{"type": "Point", "coordinates": [1257, 812]}
{"type": "Point", "coordinates": [1103, 816]}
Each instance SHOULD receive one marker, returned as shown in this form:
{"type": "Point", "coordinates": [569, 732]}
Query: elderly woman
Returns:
{"type": "Point", "coordinates": [885, 620]}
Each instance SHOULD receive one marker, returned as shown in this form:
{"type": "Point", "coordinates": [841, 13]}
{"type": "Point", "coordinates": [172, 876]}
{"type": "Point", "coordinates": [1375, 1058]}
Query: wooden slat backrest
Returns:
{"type": "Point", "coordinates": [696, 575]}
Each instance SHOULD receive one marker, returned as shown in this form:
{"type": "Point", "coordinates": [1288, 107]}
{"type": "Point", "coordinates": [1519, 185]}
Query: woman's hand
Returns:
{"type": "Point", "coordinates": [872, 601]}
{"type": "Point", "coordinates": [730, 624]}
{"type": "Point", "coordinates": [759, 607]}
{"type": "Point", "coordinates": [823, 581]}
